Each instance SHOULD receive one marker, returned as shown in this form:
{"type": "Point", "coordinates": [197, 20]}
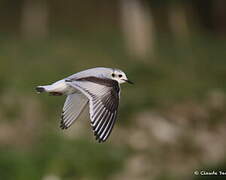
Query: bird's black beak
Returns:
{"type": "Point", "coordinates": [129, 81]}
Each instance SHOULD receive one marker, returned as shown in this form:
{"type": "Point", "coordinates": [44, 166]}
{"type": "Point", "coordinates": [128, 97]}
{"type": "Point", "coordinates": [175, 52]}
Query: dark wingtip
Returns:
{"type": "Point", "coordinates": [40, 89]}
{"type": "Point", "coordinates": [98, 139]}
{"type": "Point", "coordinates": [62, 125]}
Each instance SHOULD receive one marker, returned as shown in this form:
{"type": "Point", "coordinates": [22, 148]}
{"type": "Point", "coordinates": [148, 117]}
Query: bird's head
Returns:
{"type": "Point", "coordinates": [119, 76]}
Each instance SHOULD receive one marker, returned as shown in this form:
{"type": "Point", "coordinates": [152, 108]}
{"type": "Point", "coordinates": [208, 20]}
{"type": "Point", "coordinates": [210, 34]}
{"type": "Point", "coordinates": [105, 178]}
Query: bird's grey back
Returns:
{"type": "Point", "coordinates": [98, 72]}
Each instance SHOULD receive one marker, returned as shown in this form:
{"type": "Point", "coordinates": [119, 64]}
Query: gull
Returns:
{"type": "Point", "coordinates": [98, 88]}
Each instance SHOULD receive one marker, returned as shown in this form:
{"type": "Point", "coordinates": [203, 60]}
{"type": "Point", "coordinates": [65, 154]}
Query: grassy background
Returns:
{"type": "Point", "coordinates": [182, 86]}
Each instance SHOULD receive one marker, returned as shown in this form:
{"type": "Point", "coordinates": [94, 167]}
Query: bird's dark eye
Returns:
{"type": "Point", "coordinates": [113, 75]}
{"type": "Point", "coordinates": [120, 75]}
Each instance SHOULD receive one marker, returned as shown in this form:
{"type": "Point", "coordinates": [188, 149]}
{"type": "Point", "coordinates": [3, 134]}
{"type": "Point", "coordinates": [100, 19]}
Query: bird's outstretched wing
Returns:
{"type": "Point", "coordinates": [73, 107]}
{"type": "Point", "coordinates": [103, 95]}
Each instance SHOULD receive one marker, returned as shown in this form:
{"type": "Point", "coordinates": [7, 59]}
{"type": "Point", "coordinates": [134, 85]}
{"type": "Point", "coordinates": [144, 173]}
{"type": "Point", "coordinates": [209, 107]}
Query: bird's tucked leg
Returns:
{"type": "Point", "coordinates": [56, 93]}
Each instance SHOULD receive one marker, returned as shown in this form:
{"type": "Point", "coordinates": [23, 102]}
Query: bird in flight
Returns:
{"type": "Point", "coordinates": [98, 88]}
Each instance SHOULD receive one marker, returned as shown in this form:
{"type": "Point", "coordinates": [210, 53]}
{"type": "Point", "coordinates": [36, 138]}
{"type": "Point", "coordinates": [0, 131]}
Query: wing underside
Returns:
{"type": "Point", "coordinates": [103, 104]}
{"type": "Point", "coordinates": [73, 107]}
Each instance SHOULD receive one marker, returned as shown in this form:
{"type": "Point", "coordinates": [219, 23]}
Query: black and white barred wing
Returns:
{"type": "Point", "coordinates": [103, 95]}
{"type": "Point", "coordinates": [73, 107]}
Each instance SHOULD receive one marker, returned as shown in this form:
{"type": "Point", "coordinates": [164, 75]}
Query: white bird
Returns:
{"type": "Point", "coordinates": [100, 88]}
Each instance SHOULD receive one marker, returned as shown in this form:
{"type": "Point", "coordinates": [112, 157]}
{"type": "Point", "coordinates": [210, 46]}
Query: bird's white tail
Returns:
{"type": "Point", "coordinates": [57, 88]}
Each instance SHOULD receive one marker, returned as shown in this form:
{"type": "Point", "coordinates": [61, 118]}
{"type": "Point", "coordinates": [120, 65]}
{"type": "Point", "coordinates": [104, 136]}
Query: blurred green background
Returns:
{"type": "Point", "coordinates": [171, 122]}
